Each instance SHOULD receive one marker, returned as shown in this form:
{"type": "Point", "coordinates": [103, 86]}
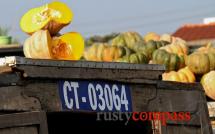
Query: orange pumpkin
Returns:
{"type": "Point", "coordinates": [183, 75]}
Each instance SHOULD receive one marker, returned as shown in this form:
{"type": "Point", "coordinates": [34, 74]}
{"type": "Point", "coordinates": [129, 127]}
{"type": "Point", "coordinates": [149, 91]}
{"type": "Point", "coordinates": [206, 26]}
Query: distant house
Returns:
{"type": "Point", "coordinates": [197, 34]}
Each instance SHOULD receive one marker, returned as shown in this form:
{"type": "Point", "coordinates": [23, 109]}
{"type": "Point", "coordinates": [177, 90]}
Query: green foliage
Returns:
{"type": "Point", "coordinates": [4, 31]}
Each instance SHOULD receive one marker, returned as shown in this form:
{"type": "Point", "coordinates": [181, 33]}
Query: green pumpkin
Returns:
{"type": "Point", "coordinates": [127, 39]}
{"type": "Point", "coordinates": [136, 58]}
{"type": "Point", "coordinates": [182, 61]}
{"type": "Point", "coordinates": [100, 39]}
{"type": "Point", "coordinates": [171, 61]}
{"type": "Point", "coordinates": [148, 48]}
{"type": "Point", "coordinates": [174, 63]}
{"type": "Point", "coordinates": [125, 51]}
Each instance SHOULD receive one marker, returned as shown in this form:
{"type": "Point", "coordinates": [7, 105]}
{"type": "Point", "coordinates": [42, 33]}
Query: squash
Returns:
{"type": "Point", "coordinates": [183, 75]}
{"type": "Point", "coordinates": [127, 39]}
{"type": "Point", "coordinates": [151, 36]}
{"type": "Point", "coordinates": [208, 83]}
{"type": "Point", "coordinates": [148, 48]}
{"type": "Point", "coordinates": [38, 46]}
{"type": "Point", "coordinates": [170, 60]}
{"type": "Point", "coordinates": [105, 52]}
{"type": "Point", "coordinates": [69, 46]}
{"type": "Point", "coordinates": [52, 17]}
{"type": "Point", "coordinates": [100, 39]}
{"type": "Point", "coordinates": [207, 48]}
{"type": "Point", "coordinates": [176, 48]}
{"type": "Point", "coordinates": [172, 39]}
{"type": "Point", "coordinates": [136, 58]}
{"type": "Point", "coordinates": [201, 63]}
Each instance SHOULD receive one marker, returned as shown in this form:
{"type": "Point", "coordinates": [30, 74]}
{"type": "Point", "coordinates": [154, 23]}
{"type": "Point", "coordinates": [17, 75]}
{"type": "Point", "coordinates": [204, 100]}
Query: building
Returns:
{"type": "Point", "coordinates": [197, 34]}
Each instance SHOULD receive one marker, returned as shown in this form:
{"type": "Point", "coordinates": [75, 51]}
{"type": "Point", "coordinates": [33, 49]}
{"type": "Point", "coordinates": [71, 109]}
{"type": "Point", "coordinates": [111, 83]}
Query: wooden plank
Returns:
{"type": "Point", "coordinates": [82, 64]}
{"type": "Point", "coordinates": [88, 73]}
{"type": "Point", "coordinates": [20, 130]}
{"type": "Point", "coordinates": [43, 95]}
{"type": "Point", "coordinates": [179, 86]}
{"type": "Point", "coordinates": [11, 50]}
{"type": "Point", "coordinates": [8, 79]}
{"type": "Point", "coordinates": [175, 101]}
{"type": "Point", "coordinates": [142, 95]}
{"type": "Point", "coordinates": [25, 119]}
{"type": "Point", "coordinates": [10, 46]}
{"type": "Point", "coordinates": [30, 96]}
{"type": "Point", "coordinates": [13, 98]}
{"type": "Point", "coordinates": [145, 97]}
{"type": "Point", "coordinates": [5, 69]}
{"type": "Point", "coordinates": [177, 129]}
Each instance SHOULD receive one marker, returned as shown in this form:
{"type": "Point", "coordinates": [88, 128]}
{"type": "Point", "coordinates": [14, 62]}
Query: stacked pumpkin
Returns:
{"type": "Point", "coordinates": [202, 63]}
{"type": "Point", "coordinates": [173, 56]}
{"type": "Point", "coordinates": [130, 47]}
{"type": "Point", "coordinates": [43, 24]}
{"type": "Point", "coordinates": [127, 47]}
{"type": "Point", "coordinates": [199, 63]}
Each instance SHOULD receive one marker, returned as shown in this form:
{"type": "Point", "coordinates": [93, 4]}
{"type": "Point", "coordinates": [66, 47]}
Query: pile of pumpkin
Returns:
{"type": "Point", "coordinates": [173, 52]}
{"type": "Point", "coordinates": [43, 24]}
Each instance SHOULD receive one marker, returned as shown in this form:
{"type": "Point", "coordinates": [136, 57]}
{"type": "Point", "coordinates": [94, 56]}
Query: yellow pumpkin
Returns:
{"type": "Point", "coordinates": [183, 75]}
{"type": "Point", "coordinates": [176, 48]}
{"type": "Point", "coordinates": [151, 36]}
{"type": "Point", "coordinates": [206, 49]}
{"type": "Point", "coordinates": [201, 63]}
{"type": "Point", "coordinates": [69, 46]}
{"type": "Point", "coordinates": [208, 83]}
{"type": "Point", "coordinates": [52, 17]}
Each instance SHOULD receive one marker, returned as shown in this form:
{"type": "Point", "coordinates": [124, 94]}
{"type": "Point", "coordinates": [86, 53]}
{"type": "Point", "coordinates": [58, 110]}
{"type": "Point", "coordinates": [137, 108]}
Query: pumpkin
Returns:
{"type": "Point", "coordinates": [201, 63]}
{"type": "Point", "coordinates": [151, 36]}
{"type": "Point", "coordinates": [38, 46]}
{"type": "Point", "coordinates": [69, 46]}
{"type": "Point", "coordinates": [170, 60]}
{"type": "Point", "coordinates": [136, 58]}
{"type": "Point", "coordinates": [183, 75]}
{"type": "Point", "coordinates": [172, 39]}
{"type": "Point", "coordinates": [105, 52]}
{"type": "Point", "coordinates": [177, 48]}
{"type": "Point", "coordinates": [100, 39]}
{"type": "Point", "coordinates": [127, 39]}
{"type": "Point", "coordinates": [52, 17]}
{"type": "Point", "coordinates": [206, 49]}
{"type": "Point", "coordinates": [148, 48]}
{"type": "Point", "coordinates": [208, 83]}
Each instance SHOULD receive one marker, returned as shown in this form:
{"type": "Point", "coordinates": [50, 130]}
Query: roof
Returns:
{"type": "Point", "coordinates": [192, 32]}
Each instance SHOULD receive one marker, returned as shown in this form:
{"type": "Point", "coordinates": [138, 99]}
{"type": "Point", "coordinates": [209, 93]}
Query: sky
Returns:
{"type": "Point", "coordinates": [99, 17]}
